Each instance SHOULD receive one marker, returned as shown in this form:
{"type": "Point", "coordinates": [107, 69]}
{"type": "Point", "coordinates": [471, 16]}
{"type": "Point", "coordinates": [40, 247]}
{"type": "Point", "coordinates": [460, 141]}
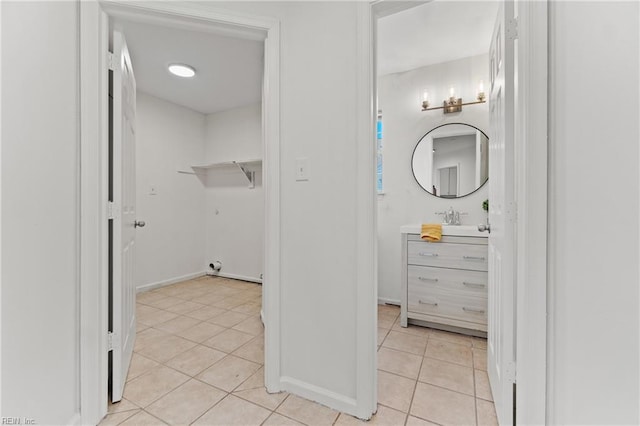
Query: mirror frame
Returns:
{"type": "Point", "coordinates": [414, 153]}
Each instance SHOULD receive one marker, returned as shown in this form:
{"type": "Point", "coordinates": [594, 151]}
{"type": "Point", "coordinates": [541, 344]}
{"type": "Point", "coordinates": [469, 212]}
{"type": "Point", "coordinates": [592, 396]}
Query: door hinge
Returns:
{"type": "Point", "coordinates": [111, 63]}
{"type": "Point", "coordinates": [512, 29]}
{"type": "Point", "coordinates": [510, 372]}
{"type": "Point", "coordinates": [112, 210]}
{"type": "Point", "coordinates": [109, 341]}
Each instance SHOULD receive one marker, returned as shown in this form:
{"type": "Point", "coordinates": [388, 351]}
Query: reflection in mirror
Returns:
{"type": "Point", "coordinates": [451, 160]}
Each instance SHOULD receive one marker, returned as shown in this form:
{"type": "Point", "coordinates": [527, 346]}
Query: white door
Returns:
{"type": "Point", "coordinates": [501, 328]}
{"type": "Point", "coordinates": [123, 226]}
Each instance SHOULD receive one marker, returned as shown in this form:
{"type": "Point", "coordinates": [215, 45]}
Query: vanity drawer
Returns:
{"type": "Point", "coordinates": [447, 255]}
{"type": "Point", "coordinates": [452, 305]}
{"type": "Point", "coordinates": [471, 283]}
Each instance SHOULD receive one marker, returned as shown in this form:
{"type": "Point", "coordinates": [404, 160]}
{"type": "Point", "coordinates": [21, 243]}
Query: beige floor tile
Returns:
{"type": "Point", "coordinates": [171, 290]}
{"type": "Point", "coordinates": [398, 362]}
{"type": "Point", "coordinates": [228, 341]}
{"type": "Point", "coordinates": [186, 403]}
{"type": "Point", "coordinates": [177, 324]}
{"type": "Point", "coordinates": [229, 372]}
{"type": "Point", "coordinates": [480, 359]}
{"type": "Point", "coordinates": [142, 309]}
{"type": "Point", "coordinates": [486, 413]}
{"type": "Point", "coordinates": [384, 417]}
{"type": "Point", "coordinates": [447, 375]}
{"type": "Point", "coordinates": [234, 411]}
{"type": "Point", "coordinates": [122, 405]}
{"type": "Point", "coordinates": [389, 309]}
{"type": "Point", "coordinates": [145, 389]}
{"type": "Point", "coordinates": [117, 418]}
{"type": "Point", "coordinates": [228, 302]}
{"type": "Point", "coordinates": [252, 351]}
{"type": "Point", "coordinates": [166, 348]}
{"type": "Point", "coordinates": [165, 302]}
{"type": "Point", "coordinates": [483, 388]}
{"type": "Point", "coordinates": [307, 412]}
{"type": "Point", "coordinates": [201, 332]}
{"type": "Point", "coordinates": [142, 419]}
{"type": "Point", "coordinates": [382, 334]}
{"type": "Point", "coordinates": [149, 296]}
{"type": "Point", "coordinates": [479, 342]}
{"type": "Point", "coordinates": [147, 337]}
{"type": "Point", "coordinates": [460, 339]}
{"type": "Point", "coordinates": [411, 329]}
{"type": "Point", "coordinates": [255, 381]}
{"type": "Point", "coordinates": [405, 342]}
{"type": "Point", "coordinates": [443, 406]}
{"type": "Point", "coordinates": [195, 360]}
{"type": "Point", "coordinates": [185, 307]}
{"type": "Point", "coordinates": [451, 352]}
{"type": "Point", "coordinates": [249, 308]}
{"type": "Point", "coordinates": [141, 327]}
{"type": "Point", "coordinates": [260, 396]}
{"type": "Point", "coordinates": [395, 391]}
{"type": "Point", "coordinates": [140, 365]}
{"type": "Point", "coordinates": [205, 313]}
{"type": "Point", "coordinates": [252, 325]}
{"type": "Point", "coordinates": [386, 321]}
{"type": "Point", "coordinates": [414, 421]}
{"type": "Point", "coordinates": [156, 317]}
{"type": "Point", "coordinates": [276, 419]}
{"type": "Point", "coordinates": [228, 318]}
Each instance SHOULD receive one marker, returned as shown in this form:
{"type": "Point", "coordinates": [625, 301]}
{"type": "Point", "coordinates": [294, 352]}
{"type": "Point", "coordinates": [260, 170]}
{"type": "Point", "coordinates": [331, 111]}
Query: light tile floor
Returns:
{"type": "Point", "coordinates": [199, 354]}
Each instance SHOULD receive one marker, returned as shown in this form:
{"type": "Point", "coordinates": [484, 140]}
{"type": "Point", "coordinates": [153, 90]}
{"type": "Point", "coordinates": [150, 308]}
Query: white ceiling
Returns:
{"type": "Point", "coordinates": [435, 32]}
{"type": "Point", "coordinates": [228, 70]}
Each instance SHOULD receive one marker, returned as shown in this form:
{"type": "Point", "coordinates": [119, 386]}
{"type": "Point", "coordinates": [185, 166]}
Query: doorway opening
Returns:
{"type": "Point", "coordinates": [95, 22]}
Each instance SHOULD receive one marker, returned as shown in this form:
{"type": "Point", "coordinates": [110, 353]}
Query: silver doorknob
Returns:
{"type": "Point", "coordinates": [139, 224]}
{"type": "Point", "coordinates": [482, 227]}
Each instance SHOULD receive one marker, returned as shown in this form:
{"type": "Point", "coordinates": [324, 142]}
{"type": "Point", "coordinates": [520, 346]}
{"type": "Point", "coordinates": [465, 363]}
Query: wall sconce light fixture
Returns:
{"type": "Point", "coordinates": [453, 104]}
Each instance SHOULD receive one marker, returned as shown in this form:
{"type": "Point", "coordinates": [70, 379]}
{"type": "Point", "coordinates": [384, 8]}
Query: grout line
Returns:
{"type": "Point", "coordinates": [415, 385]}
{"type": "Point", "coordinates": [475, 402]}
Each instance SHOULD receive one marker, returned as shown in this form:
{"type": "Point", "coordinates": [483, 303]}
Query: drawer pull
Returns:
{"type": "Point", "coordinates": [472, 285]}
{"type": "Point", "coordinates": [435, 280]}
{"type": "Point", "coordinates": [427, 303]}
{"type": "Point", "coordinates": [473, 258]}
{"type": "Point", "coordinates": [427, 254]}
{"type": "Point", "coordinates": [475, 311]}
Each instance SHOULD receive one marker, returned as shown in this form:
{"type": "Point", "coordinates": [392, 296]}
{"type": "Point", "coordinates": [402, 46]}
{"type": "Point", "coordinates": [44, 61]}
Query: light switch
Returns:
{"type": "Point", "coordinates": [153, 190]}
{"type": "Point", "coordinates": [302, 169]}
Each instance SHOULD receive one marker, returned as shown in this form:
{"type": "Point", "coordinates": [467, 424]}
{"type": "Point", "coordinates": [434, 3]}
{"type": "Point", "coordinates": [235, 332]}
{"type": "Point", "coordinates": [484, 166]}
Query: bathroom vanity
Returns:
{"type": "Point", "coordinates": [444, 284]}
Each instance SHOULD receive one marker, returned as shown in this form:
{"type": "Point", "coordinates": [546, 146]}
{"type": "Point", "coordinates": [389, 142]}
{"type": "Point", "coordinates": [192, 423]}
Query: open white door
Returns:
{"type": "Point", "coordinates": [501, 328]}
{"type": "Point", "coordinates": [123, 225]}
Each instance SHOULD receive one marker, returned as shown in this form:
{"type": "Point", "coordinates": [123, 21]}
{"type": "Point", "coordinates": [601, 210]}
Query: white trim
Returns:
{"type": "Point", "coordinates": [531, 198]}
{"type": "Point", "coordinates": [321, 395]}
{"type": "Point", "coordinates": [151, 286]}
{"type": "Point", "coordinates": [93, 256]}
{"type": "Point", "coordinates": [387, 301]}
{"type": "Point", "coordinates": [234, 277]}
{"type": "Point", "coordinates": [75, 420]}
{"type": "Point", "coordinates": [366, 212]}
{"type": "Point", "coordinates": [93, 180]}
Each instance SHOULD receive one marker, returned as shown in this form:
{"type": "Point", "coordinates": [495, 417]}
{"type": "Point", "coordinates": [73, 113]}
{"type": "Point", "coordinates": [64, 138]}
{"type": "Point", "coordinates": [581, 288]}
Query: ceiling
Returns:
{"type": "Point", "coordinates": [434, 32]}
{"type": "Point", "coordinates": [228, 69]}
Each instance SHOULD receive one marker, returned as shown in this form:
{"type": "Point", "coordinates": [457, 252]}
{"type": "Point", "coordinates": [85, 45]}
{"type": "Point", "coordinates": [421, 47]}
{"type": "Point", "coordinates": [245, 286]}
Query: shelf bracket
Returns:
{"type": "Point", "coordinates": [251, 176]}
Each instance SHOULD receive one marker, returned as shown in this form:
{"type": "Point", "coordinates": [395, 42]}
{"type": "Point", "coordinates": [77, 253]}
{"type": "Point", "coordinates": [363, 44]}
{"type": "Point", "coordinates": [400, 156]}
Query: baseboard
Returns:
{"type": "Point", "coordinates": [319, 395]}
{"type": "Point", "coordinates": [158, 284]}
{"type": "Point", "coordinates": [75, 420]}
{"type": "Point", "coordinates": [385, 301]}
{"type": "Point", "coordinates": [235, 277]}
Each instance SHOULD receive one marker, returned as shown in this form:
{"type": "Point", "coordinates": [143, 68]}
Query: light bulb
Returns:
{"type": "Point", "coordinates": [452, 92]}
{"type": "Point", "coordinates": [481, 86]}
{"type": "Point", "coordinates": [425, 96]}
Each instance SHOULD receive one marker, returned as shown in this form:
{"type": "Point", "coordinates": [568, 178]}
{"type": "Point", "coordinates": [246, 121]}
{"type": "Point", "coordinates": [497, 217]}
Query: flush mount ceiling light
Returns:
{"type": "Point", "coordinates": [182, 70]}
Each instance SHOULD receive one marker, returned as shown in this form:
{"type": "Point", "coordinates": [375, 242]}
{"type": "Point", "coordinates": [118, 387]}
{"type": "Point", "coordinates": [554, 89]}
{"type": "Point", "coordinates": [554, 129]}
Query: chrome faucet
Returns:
{"type": "Point", "coordinates": [451, 216]}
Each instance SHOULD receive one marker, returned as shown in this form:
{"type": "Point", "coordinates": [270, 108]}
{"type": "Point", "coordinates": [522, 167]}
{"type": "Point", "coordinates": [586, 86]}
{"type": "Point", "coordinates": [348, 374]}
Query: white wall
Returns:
{"type": "Point", "coordinates": [171, 245]}
{"type": "Point", "coordinates": [235, 213]}
{"type": "Point", "coordinates": [40, 285]}
{"type": "Point", "coordinates": [593, 289]}
{"type": "Point", "coordinates": [404, 201]}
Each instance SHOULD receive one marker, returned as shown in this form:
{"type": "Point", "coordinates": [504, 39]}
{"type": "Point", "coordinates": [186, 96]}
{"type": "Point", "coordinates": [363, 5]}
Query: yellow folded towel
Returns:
{"type": "Point", "coordinates": [431, 232]}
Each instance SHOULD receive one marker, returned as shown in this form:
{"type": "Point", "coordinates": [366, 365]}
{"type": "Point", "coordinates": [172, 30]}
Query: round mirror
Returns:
{"type": "Point", "coordinates": [451, 160]}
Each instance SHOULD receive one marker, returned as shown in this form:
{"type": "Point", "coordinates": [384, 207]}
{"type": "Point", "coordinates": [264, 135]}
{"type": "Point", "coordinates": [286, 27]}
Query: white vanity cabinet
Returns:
{"type": "Point", "coordinates": [444, 284]}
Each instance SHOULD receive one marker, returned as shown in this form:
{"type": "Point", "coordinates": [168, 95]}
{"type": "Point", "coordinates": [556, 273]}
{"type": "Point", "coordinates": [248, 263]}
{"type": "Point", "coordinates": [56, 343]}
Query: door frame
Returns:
{"type": "Point", "coordinates": [531, 164]}
{"type": "Point", "coordinates": [93, 126]}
